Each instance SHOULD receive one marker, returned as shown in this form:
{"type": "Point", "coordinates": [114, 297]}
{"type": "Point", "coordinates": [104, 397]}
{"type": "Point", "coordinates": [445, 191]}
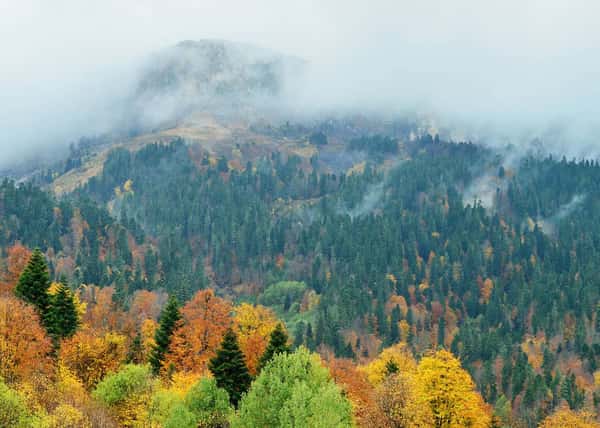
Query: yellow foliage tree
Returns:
{"type": "Point", "coordinates": [66, 416]}
{"type": "Point", "coordinates": [564, 417]}
{"type": "Point", "coordinates": [450, 392]}
{"type": "Point", "coordinates": [90, 356]}
{"type": "Point", "coordinates": [69, 387]}
{"type": "Point", "coordinates": [400, 404]}
{"type": "Point", "coordinates": [147, 332]}
{"type": "Point", "coordinates": [253, 325]}
{"type": "Point", "coordinates": [397, 357]}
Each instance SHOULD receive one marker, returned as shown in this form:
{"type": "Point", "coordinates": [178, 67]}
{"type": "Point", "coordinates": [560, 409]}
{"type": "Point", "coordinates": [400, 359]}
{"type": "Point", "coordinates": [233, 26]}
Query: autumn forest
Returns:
{"type": "Point", "coordinates": [369, 280]}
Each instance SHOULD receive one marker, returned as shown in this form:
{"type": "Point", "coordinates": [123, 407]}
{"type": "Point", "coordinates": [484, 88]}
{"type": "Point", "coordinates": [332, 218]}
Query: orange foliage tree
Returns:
{"type": "Point", "coordinates": [146, 305]}
{"type": "Point", "coordinates": [24, 346]}
{"type": "Point", "coordinates": [253, 326]}
{"type": "Point", "coordinates": [206, 317]}
{"type": "Point", "coordinates": [359, 391]}
{"type": "Point", "coordinates": [16, 260]}
{"type": "Point", "coordinates": [102, 314]}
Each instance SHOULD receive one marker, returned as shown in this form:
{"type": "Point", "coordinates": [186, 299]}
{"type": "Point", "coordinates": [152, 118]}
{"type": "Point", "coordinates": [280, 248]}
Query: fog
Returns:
{"type": "Point", "coordinates": [505, 72]}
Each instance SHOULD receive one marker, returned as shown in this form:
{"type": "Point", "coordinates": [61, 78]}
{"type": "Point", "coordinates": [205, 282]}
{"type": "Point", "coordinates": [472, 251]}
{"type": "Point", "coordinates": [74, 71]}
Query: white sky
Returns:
{"type": "Point", "coordinates": [522, 63]}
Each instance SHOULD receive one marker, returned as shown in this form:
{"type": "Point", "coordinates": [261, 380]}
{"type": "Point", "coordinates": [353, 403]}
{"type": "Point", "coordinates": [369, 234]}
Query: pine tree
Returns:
{"type": "Point", "coordinates": [229, 368]}
{"type": "Point", "coordinates": [169, 319]}
{"type": "Point", "coordinates": [278, 344]}
{"type": "Point", "coordinates": [34, 283]}
{"type": "Point", "coordinates": [62, 319]}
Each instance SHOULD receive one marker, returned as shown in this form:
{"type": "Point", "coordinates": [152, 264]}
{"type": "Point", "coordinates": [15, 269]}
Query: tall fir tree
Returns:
{"type": "Point", "coordinates": [62, 319]}
{"type": "Point", "coordinates": [34, 283]}
{"type": "Point", "coordinates": [229, 368]}
{"type": "Point", "coordinates": [278, 344]}
{"type": "Point", "coordinates": [169, 319]}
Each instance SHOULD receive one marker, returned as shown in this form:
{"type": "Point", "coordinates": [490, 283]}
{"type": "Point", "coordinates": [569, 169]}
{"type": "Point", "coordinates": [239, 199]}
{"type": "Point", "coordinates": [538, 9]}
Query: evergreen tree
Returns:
{"type": "Point", "coordinates": [169, 318]}
{"type": "Point", "coordinates": [135, 353]}
{"type": "Point", "coordinates": [34, 283]}
{"type": "Point", "coordinates": [394, 330]}
{"type": "Point", "coordinates": [62, 319]}
{"type": "Point", "coordinates": [278, 344]}
{"type": "Point", "coordinates": [441, 331]}
{"type": "Point", "coordinates": [299, 335]}
{"type": "Point", "coordinates": [391, 368]}
{"type": "Point", "coordinates": [229, 368]}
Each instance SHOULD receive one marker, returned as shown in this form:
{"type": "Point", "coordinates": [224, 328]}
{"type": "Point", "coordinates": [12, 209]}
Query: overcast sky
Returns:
{"type": "Point", "coordinates": [521, 64]}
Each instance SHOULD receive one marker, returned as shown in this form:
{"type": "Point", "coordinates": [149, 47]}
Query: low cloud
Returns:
{"type": "Point", "coordinates": [507, 72]}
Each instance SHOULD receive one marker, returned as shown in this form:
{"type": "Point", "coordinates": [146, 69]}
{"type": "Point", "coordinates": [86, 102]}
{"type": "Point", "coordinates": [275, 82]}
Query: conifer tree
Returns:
{"type": "Point", "coordinates": [299, 335]}
{"type": "Point", "coordinates": [169, 319]}
{"type": "Point", "coordinates": [229, 368]}
{"type": "Point", "coordinates": [135, 353]}
{"type": "Point", "coordinates": [62, 319]}
{"type": "Point", "coordinates": [278, 344]}
{"type": "Point", "coordinates": [34, 283]}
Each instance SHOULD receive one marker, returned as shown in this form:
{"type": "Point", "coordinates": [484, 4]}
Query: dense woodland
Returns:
{"type": "Point", "coordinates": [437, 285]}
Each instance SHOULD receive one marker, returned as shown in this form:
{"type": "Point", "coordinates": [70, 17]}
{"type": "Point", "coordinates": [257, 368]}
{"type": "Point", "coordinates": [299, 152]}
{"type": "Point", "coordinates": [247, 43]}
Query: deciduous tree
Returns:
{"type": "Point", "coordinates": [90, 355]}
{"type": "Point", "coordinates": [564, 417]}
{"type": "Point", "coordinates": [206, 317]}
{"type": "Point", "coordinates": [253, 326]}
{"type": "Point", "coordinates": [450, 393]}
{"type": "Point", "coordinates": [398, 356]}
{"type": "Point", "coordinates": [24, 346]}
{"type": "Point", "coordinates": [294, 390]}
{"type": "Point", "coordinates": [16, 260]}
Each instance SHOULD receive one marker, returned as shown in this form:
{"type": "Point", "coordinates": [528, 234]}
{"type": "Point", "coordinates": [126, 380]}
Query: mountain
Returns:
{"type": "Point", "coordinates": [215, 75]}
{"type": "Point", "coordinates": [358, 232]}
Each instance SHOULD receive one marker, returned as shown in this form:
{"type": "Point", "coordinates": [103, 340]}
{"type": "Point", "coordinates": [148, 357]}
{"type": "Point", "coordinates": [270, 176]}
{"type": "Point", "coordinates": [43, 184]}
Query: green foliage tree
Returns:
{"type": "Point", "coordinates": [13, 409]}
{"type": "Point", "coordinates": [169, 319]}
{"type": "Point", "coordinates": [62, 319]}
{"type": "Point", "coordinates": [229, 368]}
{"type": "Point", "coordinates": [209, 404]}
{"type": "Point", "coordinates": [278, 344]}
{"type": "Point", "coordinates": [294, 390]}
{"type": "Point", "coordinates": [180, 417]}
{"type": "Point", "coordinates": [117, 387]}
{"type": "Point", "coordinates": [34, 283]}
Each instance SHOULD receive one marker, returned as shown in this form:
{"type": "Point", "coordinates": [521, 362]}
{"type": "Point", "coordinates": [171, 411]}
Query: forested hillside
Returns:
{"type": "Point", "coordinates": [365, 284]}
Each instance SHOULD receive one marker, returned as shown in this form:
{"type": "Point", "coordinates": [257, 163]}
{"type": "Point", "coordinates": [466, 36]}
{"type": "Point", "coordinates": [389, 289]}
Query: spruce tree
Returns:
{"type": "Point", "coordinates": [169, 318]}
{"type": "Point", "coordinates": [62, 319]}
{"type": "Point", "coordinates": [34, 283]}
{"type": "Point", "coordinates": [134, 355]}
{"type": "Point", "coordinates": [229, 368]}
{"type": "Point", "coordinates": [278, 344]}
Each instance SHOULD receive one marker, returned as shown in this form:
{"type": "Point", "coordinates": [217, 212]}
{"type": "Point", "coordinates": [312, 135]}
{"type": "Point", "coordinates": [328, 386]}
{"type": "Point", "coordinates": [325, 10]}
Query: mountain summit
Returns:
{"type": "Point", "coordinates": [215, 75]}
